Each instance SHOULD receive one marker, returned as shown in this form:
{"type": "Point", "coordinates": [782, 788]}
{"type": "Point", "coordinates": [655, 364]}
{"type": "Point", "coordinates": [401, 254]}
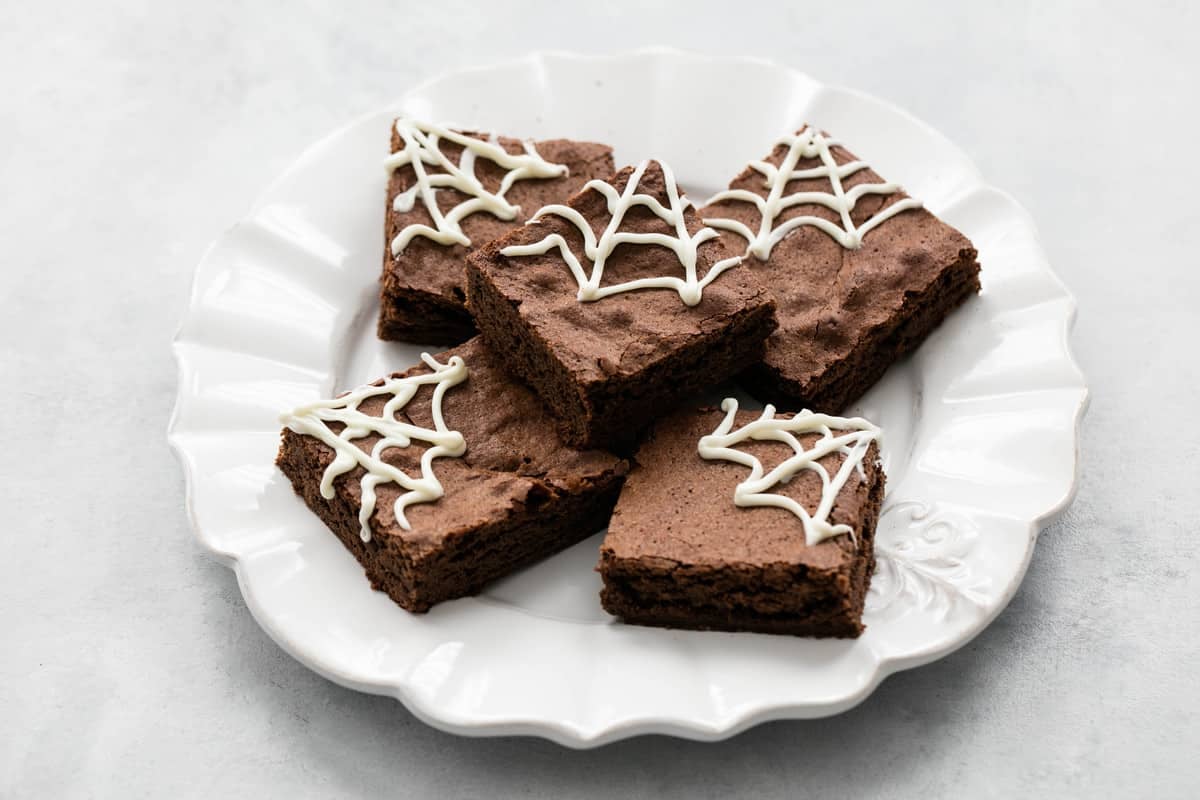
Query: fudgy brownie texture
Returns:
{"type": "Point", "coordinates": [846, 315]}
{"type": "Point", "coordinates": [423, 291]}
{"type": "Point", "coordinates": [607, 368]}
{"type": "Point", "coordinates": [680, 554]}
{"type": "Point", "coordinates": [517, 495]}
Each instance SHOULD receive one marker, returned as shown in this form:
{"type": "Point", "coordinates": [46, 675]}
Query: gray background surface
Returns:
{"type": "Point", "coordinates": [133, 133]}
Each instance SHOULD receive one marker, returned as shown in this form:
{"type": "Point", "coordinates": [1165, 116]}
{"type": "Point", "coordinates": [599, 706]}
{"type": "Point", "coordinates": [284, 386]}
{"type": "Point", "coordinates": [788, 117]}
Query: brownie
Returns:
{"type": "Point", "coordinates": [846, 310]}
{"type": "Point", "coordinates": [606, 367]}
{"type": "Point", "coordinates": [517, 494]}
{"type": "Point", "coordinates": [422, 296]}
{"type": "Point", "coordinates": [679, 553]}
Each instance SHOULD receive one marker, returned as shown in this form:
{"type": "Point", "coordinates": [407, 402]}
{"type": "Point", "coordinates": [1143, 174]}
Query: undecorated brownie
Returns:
{"type": "Point", "coordinates": [423, 292]}
{"type": "Point", "coordinates": [515, 495]}
{"type": "Point", "coordinates": [679, 553]}
{"type": "Point", "coordinates": [605, 351]}
{"type": "Point", "coordinates": [855, 292]}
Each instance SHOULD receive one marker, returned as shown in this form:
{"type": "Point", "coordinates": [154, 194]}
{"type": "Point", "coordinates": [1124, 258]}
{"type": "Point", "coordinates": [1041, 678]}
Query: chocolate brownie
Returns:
{"type": "Point", "coordinates": [607, 357]}
{"type": "Point", "coordinates": [515, 495]}
{"type": "Point", "coordinates": [422, 297]}
{"type": "Point", "coordinates": [853, 296]}
{"type": "Point", "coordinates": [679, 553]}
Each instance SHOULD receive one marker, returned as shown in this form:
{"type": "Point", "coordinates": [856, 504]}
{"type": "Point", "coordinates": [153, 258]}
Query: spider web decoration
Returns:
{"type": "Point", "coordinates": [685, 246]}
{"type": "Point", "coordinates": [313, 419]}
{"type": "Point", "coordinates": [807, 144]}
{"type": "Point", "coordinates": [852, 443]}
{"type": "Point", "coordinates": [422, 149]}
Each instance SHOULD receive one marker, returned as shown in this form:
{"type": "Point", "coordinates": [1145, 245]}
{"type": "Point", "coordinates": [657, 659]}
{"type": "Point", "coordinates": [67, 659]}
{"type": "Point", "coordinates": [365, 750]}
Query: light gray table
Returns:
{"type": "Point", "coordinates": [133, 133]}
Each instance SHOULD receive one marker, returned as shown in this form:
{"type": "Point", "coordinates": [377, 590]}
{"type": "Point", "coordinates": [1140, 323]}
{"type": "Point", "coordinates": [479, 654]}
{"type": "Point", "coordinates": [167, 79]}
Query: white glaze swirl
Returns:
{"type": "Point", "coordinates": [808, 143]}
{"type": "Point", "coordinates": [421, 150]}
{"type": "Point", "coordinates": [684, 245]}
{"type": "Point", "coordinates": [854, 437]}
{"type": "Point", "coordinates": [313, 420]}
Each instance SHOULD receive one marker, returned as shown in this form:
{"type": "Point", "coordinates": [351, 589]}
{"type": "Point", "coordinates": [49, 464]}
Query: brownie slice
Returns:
{"type": "Point", "coordinates": [515, 496]}
{"type": "Point", "coordinates": [680, 554]}
{"type": "Point", "coordinates": [423, 292]}
{"type": "Point", "coordinates": [608, 366]}
{"type": "Point", "coordinates": [845, 312]}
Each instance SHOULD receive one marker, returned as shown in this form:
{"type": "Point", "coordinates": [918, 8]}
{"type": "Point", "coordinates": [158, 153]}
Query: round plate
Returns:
{"type": "Point", "coordinates": [980, 425]}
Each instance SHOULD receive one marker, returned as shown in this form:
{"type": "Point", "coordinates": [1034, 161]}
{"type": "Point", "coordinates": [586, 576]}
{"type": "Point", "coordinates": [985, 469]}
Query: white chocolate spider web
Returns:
{"type": "Point", "coordinates": [313, 419]}
{"type": "Point", "coordinates": [422, 148]}
{"type": "Point", "coordinates": [808, 143]}
{"type": "Point", "coordinates": [690, 288]}
{"type": "Point", "coordinates": [852, 443]}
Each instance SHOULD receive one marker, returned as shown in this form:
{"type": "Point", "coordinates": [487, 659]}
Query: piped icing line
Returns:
{"type": "Point", "coordinates": [755, 490]}
{"type": "Point", "coordinates": [686, 247]}
{"type": "Point", "coordinates": [313, 420]}
{"type": "Point", "coordinates": [421, 150]}
{"type": "Point", "coordinates": [808, 143]}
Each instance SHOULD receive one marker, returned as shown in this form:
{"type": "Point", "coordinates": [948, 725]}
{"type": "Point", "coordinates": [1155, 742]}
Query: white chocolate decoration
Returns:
{"type": "Point", "coordinates": [421, 150]}
{"type": "Point", "coordinates": [684, 245]}
{"type": "Point", "coordinates": [854, 437]}
{"type": "Point", "coordinates": [313, 420]}
{"type": "Point", "coordinates": [808, 143]}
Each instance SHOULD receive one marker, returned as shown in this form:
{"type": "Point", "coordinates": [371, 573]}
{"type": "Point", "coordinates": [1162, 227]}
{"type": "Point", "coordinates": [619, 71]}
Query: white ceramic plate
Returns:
{"type": "Point", "coordinates": [981, 424]}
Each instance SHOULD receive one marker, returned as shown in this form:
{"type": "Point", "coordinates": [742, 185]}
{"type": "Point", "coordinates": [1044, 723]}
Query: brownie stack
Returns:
{"type": "Point", "coordinates": [604, 302]}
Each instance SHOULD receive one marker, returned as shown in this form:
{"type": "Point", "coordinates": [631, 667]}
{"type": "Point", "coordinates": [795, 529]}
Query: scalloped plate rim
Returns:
{"type": "Point", "coordinates": [562, 732]}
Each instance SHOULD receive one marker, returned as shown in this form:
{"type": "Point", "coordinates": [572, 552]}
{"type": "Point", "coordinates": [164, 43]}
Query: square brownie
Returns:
{"type": "Point", "coordinates": [861, 273]}
{"type": "Point", "coordinates": [500, 491]}
{"type": "Point", "coordinates": [618, 305]}
{"type": "Point", "coordinates": [423, 291]}
{"type": "Point", "coordinates": [680, 553]}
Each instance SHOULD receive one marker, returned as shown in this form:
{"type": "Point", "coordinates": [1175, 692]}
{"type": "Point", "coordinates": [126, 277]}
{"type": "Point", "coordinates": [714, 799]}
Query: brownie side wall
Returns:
{"type": "Point", "coordinates": [612, 414]}
{"type": "Point", "coordinates": [864, 567]}
{"type": "Point", "coordinates": [411, 315]}
{"type": "Point", "coordinates": [464, 563]}
{"type": "Point", "coordinates": [816, 621]}
{"type": "Point", "coordinates": [623, 408]}
{"type": "Point", "coordinates": [848, 379]}
{"type": "Point", "coordinates": [467, 562]}
{"type": "Point", "coordinates": [779, 598]}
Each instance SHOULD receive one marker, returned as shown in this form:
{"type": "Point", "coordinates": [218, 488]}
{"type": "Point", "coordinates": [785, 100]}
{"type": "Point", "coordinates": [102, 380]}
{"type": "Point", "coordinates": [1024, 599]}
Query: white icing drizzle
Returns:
{"type": "Point", "coordinates": [685, 246]}
{"type": "Point", "coordinates": [808, 143]}
{"type": "Point", "coordinates": [421, 149]}
{"type": "Point", "coordinates": [313, 419]}
{"type": "Point", "coordinates": [755, 490]}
